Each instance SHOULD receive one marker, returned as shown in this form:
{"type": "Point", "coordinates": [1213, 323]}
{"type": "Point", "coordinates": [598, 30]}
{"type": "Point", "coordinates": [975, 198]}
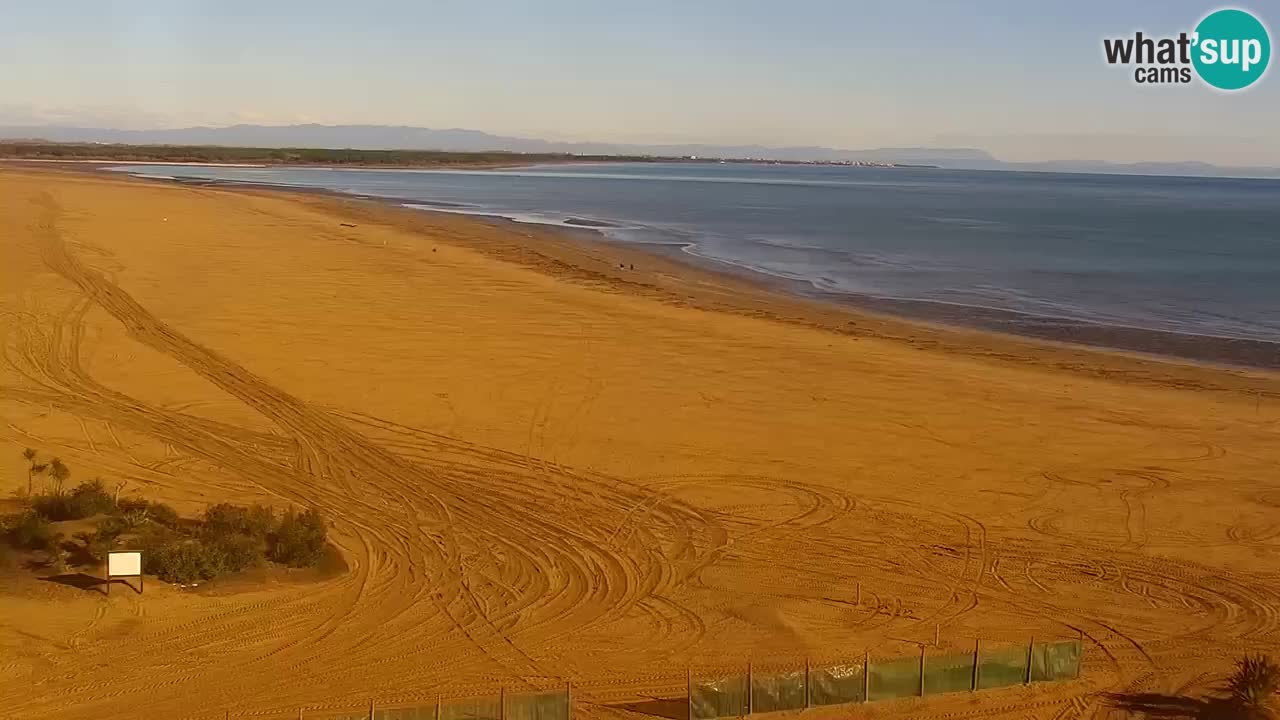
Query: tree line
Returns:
{"type": "Point", "coordinates": [35, 150]}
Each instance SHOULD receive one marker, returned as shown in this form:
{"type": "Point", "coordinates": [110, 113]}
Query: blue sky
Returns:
{"type": "Point", "coordinates": [1024, 79]}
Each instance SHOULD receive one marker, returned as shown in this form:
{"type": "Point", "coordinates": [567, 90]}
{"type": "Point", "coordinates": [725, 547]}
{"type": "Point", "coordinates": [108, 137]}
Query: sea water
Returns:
{"type": "Point", "coordinates": [1188, 255]}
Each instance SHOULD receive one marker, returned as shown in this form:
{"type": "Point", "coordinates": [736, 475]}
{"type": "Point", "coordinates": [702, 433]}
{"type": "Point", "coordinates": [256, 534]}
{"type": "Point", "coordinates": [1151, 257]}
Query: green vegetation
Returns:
{"type": "Point", "coordinates": [1252, 689]}
{"type": "Point", "coordinates": [225, 539]}
{"type": "Point", "coordinates": [29, 530]}
{"type": "Point", "coordinates": [85, 500]}
{"type": "Point", "coordinates": [31, 150]}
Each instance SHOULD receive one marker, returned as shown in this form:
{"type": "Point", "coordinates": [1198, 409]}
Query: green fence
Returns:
{"type": "Point", "coordinates": [948, 673]}
{"type": "Point", "coordinates": [779, 691]}
{"type": "Point", "coordinates": [718, 697]}
{"type": "Point", "coordinates": [876, 679]}
{"type": "Point", "coordinates": [1002, 667]}
{"type": "Point", "coordinates": [478, 708]}
{"type": "Point", "coordinates": [888, 679]}
{"type": "Point", "coordinates": [417, 712]}
{"type": "Point", "coordinates": [726, 696]}
{"type": "Point", "coordinates": [837, 685]}
{"type": "Point", "coordinates": [550, 705]}
{"type": "Point", "coordinates": [1055, 661]}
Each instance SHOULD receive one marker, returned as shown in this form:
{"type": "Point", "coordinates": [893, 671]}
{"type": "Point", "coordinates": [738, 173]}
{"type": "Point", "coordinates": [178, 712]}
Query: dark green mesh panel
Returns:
{"type": "Point", "coordinates": [418, 712]}
{"type": "Point", "coordinates": [895, 678]}
{"type": "Point", "coordinates": [480, 708]}
{"type": "Point", "coordinates": [837, 684]}
{"type": "Point", "coordinates": [777, 691]}
{"type": "Point", "coordinates": [718, 697]}
{"type": "Point", "coordinates": [538, 706]}
{"type": "Point", "coordinates": [1001, 667]}
{"type": "Point", "coordinates": [1055, 660]}
{"type": "Point", "coordinates": [948, 673]}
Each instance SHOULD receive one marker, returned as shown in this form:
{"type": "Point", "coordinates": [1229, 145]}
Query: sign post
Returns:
{"type": "Point", "coordinates": [124, 565]}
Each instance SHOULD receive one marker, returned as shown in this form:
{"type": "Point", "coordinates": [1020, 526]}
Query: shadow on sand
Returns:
{"type": "Point", "coordinates": [1158, 706]}
{"type": "Point", "coordinates": [79, 581]}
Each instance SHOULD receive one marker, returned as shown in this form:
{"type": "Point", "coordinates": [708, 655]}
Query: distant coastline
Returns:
{"type": "Point", "coordinates": [382, 138]}
{"type": "Point", "coordinates": [231, 156]}
{"type": "Point", "coordinates": [1184, 346]}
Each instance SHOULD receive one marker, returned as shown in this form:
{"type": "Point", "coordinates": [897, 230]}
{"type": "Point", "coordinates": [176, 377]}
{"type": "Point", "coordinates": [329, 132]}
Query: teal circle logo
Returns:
{"type": "Point", "coordinates": [1232, 49]}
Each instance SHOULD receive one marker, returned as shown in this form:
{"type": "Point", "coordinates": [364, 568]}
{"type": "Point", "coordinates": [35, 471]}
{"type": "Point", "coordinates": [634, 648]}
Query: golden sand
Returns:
{"type": "Point", "coordinates": [542, 468]}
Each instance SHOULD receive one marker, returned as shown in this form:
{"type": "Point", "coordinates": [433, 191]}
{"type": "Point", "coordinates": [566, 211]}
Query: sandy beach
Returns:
{"type": "Point", "coordinates": [544, 466]}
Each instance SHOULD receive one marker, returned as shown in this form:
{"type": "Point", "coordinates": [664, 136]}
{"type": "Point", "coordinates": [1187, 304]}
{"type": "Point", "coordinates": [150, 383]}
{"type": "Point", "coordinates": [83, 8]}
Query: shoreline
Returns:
{"type": "Point", "coordinates": [1219, 351]}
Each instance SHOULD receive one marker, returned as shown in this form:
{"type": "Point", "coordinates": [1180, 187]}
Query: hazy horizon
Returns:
{"type": "Point", "coordinates": [1024, 83]}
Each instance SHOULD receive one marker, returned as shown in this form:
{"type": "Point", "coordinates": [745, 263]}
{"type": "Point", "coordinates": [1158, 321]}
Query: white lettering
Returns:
{"type": "Point", "coordinates": [1230, 51]}
{"type": "Point", "coordinates": [1252, 54]}
{"type": "Point", "coordinates": [1209, 51]}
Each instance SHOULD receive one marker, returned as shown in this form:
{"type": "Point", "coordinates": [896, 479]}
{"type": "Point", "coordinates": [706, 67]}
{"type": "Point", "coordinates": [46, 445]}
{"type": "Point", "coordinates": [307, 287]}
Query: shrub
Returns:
{"type": "Point", "coordinates": [85, 500]}
{"type": "Point", "coordinates": [163, 515]}
{"type": "Point", "coordinates": [129, 505]}
{"type": "Point", "coordinates": [133, 518]}
{"type": "Point", "coordinates": [111, 528]}
{"type": "Point", "coordinates": [91, 498]}
{"type": "Point", "coordinates": [96, 544]}
{"type": "Point", "coordinates": [236, 552]}
{"type": "Point", "coordinates": [30, 530]}
{"type": "Point", "coordinates": [53, 506]}
{"type": "Point", "coordinates": [183, 562]}
{"type": "Point", "coordinates": [1252, 688]}
{"type": "Point", "coordinates": [224, 519]}
{"type": "Point", "coordinates": [299, 540]}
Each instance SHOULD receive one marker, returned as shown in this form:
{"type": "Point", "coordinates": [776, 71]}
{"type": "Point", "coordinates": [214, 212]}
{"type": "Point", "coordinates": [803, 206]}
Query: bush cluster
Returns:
{"type": "Point", "coordinates": [231, 538]}
{"type": "Point", "coordinates": [136, 511]}
{"type": "Point", "coordinates": [31, 531]}
{"type": "Point", "coordinates": [85, 500]}
{"type": "Point", "coordinates": [226, 539]}
{"type": "Point", "coordinates": [299, 539]}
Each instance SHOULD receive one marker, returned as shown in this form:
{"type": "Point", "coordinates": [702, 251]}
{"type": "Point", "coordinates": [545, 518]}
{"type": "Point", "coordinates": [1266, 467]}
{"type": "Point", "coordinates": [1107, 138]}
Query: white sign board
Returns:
{"type": "Point", "coordinates": [124, 564]}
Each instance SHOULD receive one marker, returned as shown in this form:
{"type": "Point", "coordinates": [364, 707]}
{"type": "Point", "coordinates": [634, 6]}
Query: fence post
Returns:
{"type": "Point", "coordinates": [299, 713]}
{"type": "Point", "coordinates": [807, 695]}
{"type": "Point", "coordinates": [437, 706]}
{"type": "Point", "coordinates": [937, 630]}
{"type": "Point", "coordinates": [568, 700]}
{"type": "Point", "coordinates": [1079, 652]}
{"type": "Point", "coordinates": [973, 681]}
{"type": "Point", "coordinates": [689, 679]}
{"type": "Point", "coordinates": [751, 689]}
{"type": "Point", "coordinates": [866, 676]}
{"type": "Point", "coordinates": [1030, 649]}
{"type": "Point", "coordinates": [502, 703]}
{"type": "Point", "coordinates": [921, 669]}
{"type": "Point", "coordinates": [370, 708]}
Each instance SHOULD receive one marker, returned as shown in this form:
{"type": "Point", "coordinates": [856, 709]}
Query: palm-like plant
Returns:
{"type": "Point", "coordinates": [59, 472]}
{"type": "Point", "coordinates": [33, 467]}
{"type": "Point", "coordinates": [1253, 687]}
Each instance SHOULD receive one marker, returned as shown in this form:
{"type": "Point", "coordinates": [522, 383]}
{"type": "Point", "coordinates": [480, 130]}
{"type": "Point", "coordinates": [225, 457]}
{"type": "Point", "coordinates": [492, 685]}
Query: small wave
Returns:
{"type": "Point", "coordinates": [791, 244]}
{"type": "Point", "coordinates": [970, 223]}
{"type": "Point", "coordinates": [527, 218]}
{"type": "Point", "coordinates": [588, 222]}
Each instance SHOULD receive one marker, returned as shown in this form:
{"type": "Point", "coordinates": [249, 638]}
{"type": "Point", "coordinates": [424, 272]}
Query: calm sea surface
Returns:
{"type": "Point", "coordinates": [1188, 255]}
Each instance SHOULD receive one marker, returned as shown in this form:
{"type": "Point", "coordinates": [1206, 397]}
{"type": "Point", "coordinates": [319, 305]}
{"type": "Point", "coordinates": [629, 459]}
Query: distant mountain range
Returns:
{"type": "Point", "coordinates": [385, 137]}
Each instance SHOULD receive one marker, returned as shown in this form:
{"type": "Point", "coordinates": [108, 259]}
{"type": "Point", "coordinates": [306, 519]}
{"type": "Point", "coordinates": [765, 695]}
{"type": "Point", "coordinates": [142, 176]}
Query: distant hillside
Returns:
{"type": "Point", "coordinates": [400, 138]}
